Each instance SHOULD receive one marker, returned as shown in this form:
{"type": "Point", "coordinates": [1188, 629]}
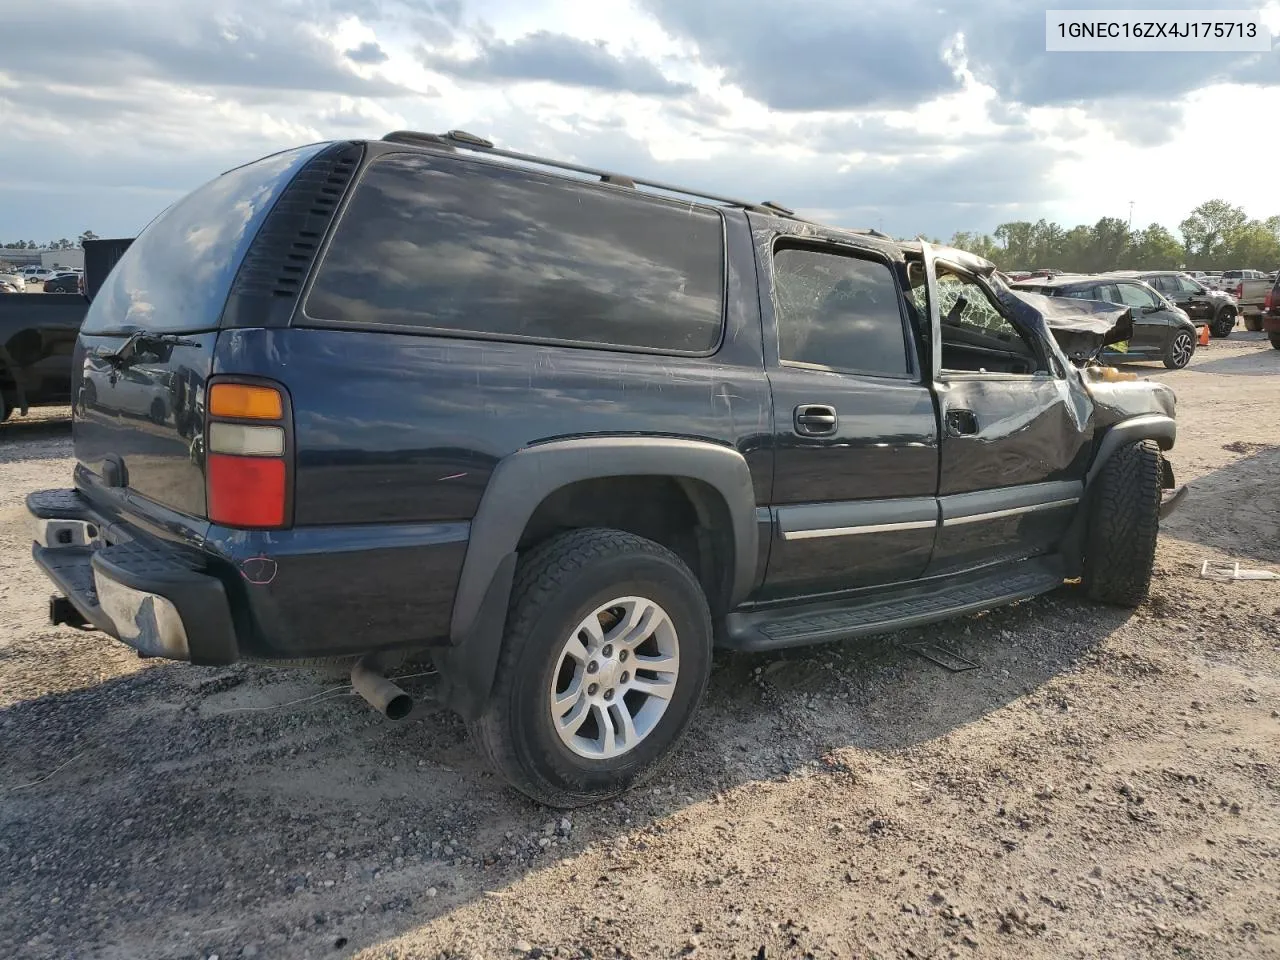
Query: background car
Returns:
{"type": "Point", "coordinates": [63, 283]}
{"type": "Point", "coordinates": [1217, 308]}
{"type": "Point", "coordinates": [1161, 331]}
{"type": "Point", "coordinates": [1235, 276]}
{"type": "Point", "coordinates": [14, 279]}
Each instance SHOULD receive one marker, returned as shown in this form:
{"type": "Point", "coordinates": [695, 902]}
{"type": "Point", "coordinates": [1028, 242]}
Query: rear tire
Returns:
{"type": "Point", "coordinates": [577, 578]}
{"type": "Point", "coordinates": [1253, 324]}
{"type": "Point", "coordinates": [1275, 340]}
{"type": "Point", "coordinates": [1124, 521]}
{"type": "Point", "coordinates": [1223, 323]}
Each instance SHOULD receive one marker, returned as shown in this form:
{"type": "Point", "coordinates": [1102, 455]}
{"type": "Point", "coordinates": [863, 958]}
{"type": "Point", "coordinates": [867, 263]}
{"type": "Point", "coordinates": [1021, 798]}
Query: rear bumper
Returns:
{"type": "Point", "coordinates": [159, 598]}
{"type": "Point", "coordinates": [173, 588]}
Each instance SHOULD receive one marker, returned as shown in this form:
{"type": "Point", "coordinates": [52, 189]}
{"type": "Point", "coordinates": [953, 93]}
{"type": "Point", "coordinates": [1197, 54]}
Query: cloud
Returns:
{"type": "Point", "coordinates": [921, 116]}
{"type": "Point", "coordinates": [925, 188]}
{"type": "Point", "coordinates": [820, 54]}
{"type": "Point", "coordinates": [367, 52]}
{"type": "Point", "coordinates": [1005, 43]}
{"type": "Point", "coordinates": [827, 55]}
{"type": "Point", "coordinates": [244, 45]}
{"type": "Point", "coordinates": [1143, 123]}
{"type": "Point", "coordinates": [558, 58]}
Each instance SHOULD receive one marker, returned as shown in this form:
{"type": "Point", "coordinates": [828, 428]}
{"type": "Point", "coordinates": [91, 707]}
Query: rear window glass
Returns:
{"type": "Point", "coordinates": [839, 312]}
{"type": "Point", "coordinates": [476, 249]}
{"type": "Point", "coordinates": [176, 275]}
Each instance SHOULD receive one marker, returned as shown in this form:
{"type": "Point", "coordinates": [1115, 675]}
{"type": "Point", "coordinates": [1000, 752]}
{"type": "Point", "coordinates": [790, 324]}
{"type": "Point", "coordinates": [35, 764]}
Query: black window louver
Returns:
{"type": "Point", "coordinates": [281, 256]}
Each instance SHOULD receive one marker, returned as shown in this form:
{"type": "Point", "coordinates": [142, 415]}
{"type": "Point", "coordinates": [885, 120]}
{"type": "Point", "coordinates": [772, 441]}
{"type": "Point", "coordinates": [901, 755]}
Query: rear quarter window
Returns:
{"type": "Point", "coordinates": [467, 248]}
{"type": "Point", "coordinates": [176, 275]}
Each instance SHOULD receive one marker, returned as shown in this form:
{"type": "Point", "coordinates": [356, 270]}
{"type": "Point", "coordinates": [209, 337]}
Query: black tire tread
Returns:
{"type": "Point", "coordinates": [1275, 340]}
{"type": "Point", "coordinates": [1123, 525]}
{"type": "Point", "coordinates": [544, 571]}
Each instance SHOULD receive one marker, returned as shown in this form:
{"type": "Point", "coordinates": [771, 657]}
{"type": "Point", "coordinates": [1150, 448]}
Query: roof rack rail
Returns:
{"type": "Point", "coordinates": [469, 141]}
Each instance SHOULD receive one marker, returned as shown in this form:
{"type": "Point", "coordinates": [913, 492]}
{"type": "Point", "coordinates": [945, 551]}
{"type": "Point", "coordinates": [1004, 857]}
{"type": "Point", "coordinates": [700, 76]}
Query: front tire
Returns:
{"type": "Point", "coordinates": [1124, 521]}
{"type": "Point", "coordinates": [606, 657]}
{"type": "Point", "coordinates": [1223, 323]}
{"type": "Point", "coordinates": [1182, 347]}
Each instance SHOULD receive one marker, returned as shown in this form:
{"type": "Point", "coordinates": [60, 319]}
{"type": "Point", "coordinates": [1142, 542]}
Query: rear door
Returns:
{"type": "Point", "coordinates": [856, 460]}
{"type": "Point", "coordinates": [147, 344]}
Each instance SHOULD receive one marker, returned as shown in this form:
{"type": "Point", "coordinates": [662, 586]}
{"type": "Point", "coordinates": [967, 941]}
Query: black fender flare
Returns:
{"type": "Point", "coordinates": [518, 485]}
{"type": "Point", "coordinates": [1153, 426]}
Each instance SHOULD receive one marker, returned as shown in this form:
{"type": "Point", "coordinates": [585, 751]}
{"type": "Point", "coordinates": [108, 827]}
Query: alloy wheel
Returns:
{"type": "Point", "coordinates": [614, 678]}
{"type": "Point", "coordinates": [1182, 349]}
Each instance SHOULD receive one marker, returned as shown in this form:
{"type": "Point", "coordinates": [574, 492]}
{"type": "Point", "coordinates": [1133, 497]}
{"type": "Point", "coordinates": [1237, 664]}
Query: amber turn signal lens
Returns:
{"type": "Point", "coordinates": [244, 401]}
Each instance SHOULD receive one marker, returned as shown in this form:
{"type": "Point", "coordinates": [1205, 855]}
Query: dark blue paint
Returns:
{"type": "Point", "coordinates": [395, 433]}
{"type": "Point", "coordinates": [319, 591]}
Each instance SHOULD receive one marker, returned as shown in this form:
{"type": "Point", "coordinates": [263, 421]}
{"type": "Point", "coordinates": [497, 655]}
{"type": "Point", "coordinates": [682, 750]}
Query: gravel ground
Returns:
{"type": "Point", "coordinates": [1105, 784]}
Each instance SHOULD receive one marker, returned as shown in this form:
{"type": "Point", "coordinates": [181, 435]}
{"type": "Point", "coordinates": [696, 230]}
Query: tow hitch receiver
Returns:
{"type": "Point", "coordinates": [62, 610]}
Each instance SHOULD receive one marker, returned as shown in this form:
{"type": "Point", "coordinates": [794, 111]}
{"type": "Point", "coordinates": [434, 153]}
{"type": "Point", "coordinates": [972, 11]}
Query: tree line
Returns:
{"type": "Point", "coordinates": [1215, 236]}
{"type": "Point", "coordinates": [63, 244]}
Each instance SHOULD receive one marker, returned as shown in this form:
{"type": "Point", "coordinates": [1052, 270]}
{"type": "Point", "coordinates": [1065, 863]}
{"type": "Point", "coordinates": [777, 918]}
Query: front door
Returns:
{"type": "Point", "coordinates": [1185, 294]}
{"type": "Point", "coordinates": [856, 455]}
{"type": "Point", "coordinates": [1016, 429]}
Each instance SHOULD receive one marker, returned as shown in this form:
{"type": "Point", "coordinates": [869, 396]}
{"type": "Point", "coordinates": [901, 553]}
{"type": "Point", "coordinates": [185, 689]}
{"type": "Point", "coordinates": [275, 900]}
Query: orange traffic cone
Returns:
{"type": "Point", "coordinates": [1204, 335]}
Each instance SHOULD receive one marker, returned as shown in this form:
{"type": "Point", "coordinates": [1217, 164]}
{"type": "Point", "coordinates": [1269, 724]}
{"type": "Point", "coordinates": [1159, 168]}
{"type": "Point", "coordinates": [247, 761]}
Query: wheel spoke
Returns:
{"type": "Point", "coordinates": [595, 635]}
{"type": "Point", "coordinates": [639, 625]}
{"type": "Point", "coordinates": [577, 650]}
{"type": "Point", "coordinates": [659, 687]}
{"type": "Point", "coordinates": [561, 702]}
{"type": "Point", "coordinates": [625, 724]}
{"type": "Point", "coordinates": [608, 739]}
{"type": "Point", "coordinates": [663, 663]}
{"type": "Point", "coordinates": [570, 722]}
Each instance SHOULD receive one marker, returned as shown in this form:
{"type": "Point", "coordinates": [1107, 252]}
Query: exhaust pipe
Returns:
{"type": "Point", "coordinates": [1169, 500]}
{"type": "Point", "coordinates": [383, 695]}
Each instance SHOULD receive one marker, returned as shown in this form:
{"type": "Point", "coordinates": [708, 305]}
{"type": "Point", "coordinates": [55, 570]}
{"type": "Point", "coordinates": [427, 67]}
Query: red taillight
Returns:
{"type": "Point", "coordinates": [246, 491]}
{"type": "Point", "coordinates": [1269, 300]}
{"type": "Point", "coordinates": [1240, 291]}
{"type": "Point", "coordinates": [247, 455]}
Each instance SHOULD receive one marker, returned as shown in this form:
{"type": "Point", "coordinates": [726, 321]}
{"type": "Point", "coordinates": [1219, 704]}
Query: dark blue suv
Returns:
{"type": "Point", "coordinates": [561, 430]}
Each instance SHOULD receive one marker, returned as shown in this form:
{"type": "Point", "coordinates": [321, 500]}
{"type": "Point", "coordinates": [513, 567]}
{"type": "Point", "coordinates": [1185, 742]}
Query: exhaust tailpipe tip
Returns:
{"type": "Point", "coordinates": [383, 695]}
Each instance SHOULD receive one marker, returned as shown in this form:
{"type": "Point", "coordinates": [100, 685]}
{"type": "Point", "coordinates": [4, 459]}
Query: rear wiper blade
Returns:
{"type": "Point", "coordinates": [129, 349]}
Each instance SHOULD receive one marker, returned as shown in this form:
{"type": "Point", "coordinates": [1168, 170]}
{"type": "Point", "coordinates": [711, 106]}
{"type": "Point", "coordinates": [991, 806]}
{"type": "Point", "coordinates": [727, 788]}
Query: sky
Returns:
{"type": "Point", "coordinates": [912, 116]}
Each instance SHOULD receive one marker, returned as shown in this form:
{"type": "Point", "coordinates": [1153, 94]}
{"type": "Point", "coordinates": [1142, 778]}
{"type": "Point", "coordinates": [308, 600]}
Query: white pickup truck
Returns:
{"type": "Point", "coordinates": [1250, 293]}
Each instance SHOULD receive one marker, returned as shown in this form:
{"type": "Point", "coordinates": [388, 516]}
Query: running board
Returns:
{"type": "Point", "coordinates": [889, 609]}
